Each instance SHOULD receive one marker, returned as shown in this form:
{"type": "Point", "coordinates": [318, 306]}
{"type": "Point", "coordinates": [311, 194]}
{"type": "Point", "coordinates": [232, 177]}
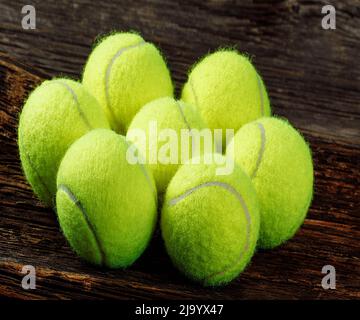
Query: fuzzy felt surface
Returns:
{"type": "Point", "coordinates": [168, 114]}
{"type": "Point", "coordinates": [210, 223]}
{"type": "Point", "coordinates": [57, 113]}
{"type": "Point", "coordinates": [227, 90]}
{"type": "Point", "coordinates": [279, 162]}
{"type": "Point", "coordinates": [124, 73]}
{"type": "Point", "coordinates": [105, 205]}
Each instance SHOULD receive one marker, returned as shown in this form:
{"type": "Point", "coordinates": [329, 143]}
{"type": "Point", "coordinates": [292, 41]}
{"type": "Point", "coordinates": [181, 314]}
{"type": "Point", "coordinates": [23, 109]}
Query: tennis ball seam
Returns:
{"type": "Point", "coordinates": [143, 169]}
{"type": "Point", "coordinates": [77, 103]}
{"type": "Point", "coordinates": [107, 76]}
{"type": "Point", "coordinates": [186, 122]}
{"type": "Point", "coordinates": [78, 204]}
{"type": "Point", "coordinates": [261, 94]}
{"type": "Point", "coordinates": [82, 116]}
{"type": "Point", "coordinates": [42, 182]}
{"type": "Point", "coordinates": [237, 194]}
{"type": "Point", "coordinates": [182, 114]}
{"type": "Point", "coordinates": [261, 151]}
{"type": "Point", "coordinates": [148, 180]}
{"type": "Point", "coordinates": [193, 92]}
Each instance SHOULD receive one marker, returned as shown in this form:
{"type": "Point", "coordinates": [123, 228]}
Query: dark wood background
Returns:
{"type": "Point", "coordinates": [313, 78]}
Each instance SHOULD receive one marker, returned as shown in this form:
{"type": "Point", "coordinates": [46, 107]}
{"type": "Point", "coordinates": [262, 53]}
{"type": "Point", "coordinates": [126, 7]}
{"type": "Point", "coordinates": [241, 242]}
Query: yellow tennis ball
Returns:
{"type": "Point", "coordinates": [227, 90]}
{"type": "Point", "coordinates": [279, 162]}
{"type": "Point", "coordinates": [162, 122]}
{"type": "Point", "coordinates": [106, 206]}
{"type": "Point", "coordinates": [57, 113]}
{"type": "Point", "coordinates": [210, 222]}
{"type": "Point", "coordinates": [124, 72]}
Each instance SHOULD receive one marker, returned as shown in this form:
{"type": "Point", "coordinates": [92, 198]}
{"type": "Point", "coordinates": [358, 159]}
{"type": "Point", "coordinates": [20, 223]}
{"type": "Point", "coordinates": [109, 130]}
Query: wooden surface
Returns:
{"type": "Point", "coordinates": [313, 79]}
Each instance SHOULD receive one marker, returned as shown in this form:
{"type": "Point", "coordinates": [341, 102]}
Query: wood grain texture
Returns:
{"type": "Point", "coordinates": [312, 78]}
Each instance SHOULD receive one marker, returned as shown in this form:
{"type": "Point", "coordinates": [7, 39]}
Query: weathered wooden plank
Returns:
{"type": "Point", "coordinates": [312, 80]}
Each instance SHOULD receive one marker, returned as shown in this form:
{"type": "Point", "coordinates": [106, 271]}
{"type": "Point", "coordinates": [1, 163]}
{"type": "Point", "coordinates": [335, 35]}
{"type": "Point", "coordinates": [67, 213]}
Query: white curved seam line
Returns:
{"type": "Point", "coordinates": [194, 93]}
{"type": "Point", "coordinates": [108, 71]}
{"type": "Point", "coordinates": [183, 115]}
{"type": "Point", "coordinates": [77, 203]}
{"type": "Point", "coordinates": [243, 204]}
{"type": "Point", "coordinates": [262, 111]}
{"type": "Point", "coordinates": [217, 147]}
{"type": "Point", "coordinates": [143, 169]}
{"type": "Point", "coordinates": [261, 151]}
{"type": "Point", "coordinates": [186, 123]}
{"type": "Point", "coordinates": [47, 190]}
{"type": "Point", "coordinates": [72, 92]}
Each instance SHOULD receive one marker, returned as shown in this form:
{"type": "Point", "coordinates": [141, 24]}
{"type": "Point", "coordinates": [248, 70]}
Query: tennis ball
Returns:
{"type": "Point", "coordinates": [57, 113]}
{"type": "Point", "coordinates": [210, 223]}
{"type": "Point", "coordinates": [158, 146]}
{"type": "Point", "coordinates": [279, 162]}
{"type": "Point", "coordinates": [227, 91]}
{"type": "Point", "coordinates": [105, 205]}
{"type": "Point", "coordinates": [124, 73]}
